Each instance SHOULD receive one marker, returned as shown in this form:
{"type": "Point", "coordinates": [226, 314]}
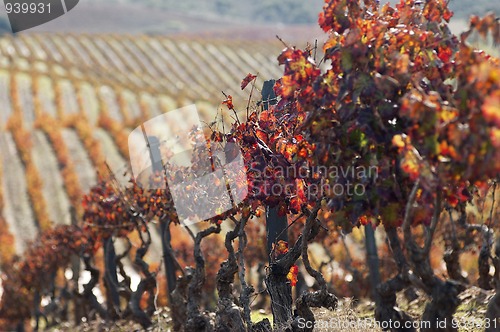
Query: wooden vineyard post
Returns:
{"type": "Point", "coordinates": [276, 229]}
{"type": "Point", "coordinates": [372, 260]}
{"type": "Point", "coordinates": [276, 225]}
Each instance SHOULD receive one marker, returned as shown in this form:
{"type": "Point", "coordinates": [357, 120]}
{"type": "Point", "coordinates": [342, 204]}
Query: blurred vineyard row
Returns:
{"type": "Point", "coordinates": [68, 103]}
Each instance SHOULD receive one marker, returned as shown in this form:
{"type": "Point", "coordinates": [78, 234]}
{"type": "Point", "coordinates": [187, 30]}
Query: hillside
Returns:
{"type": "Point", "coordinates": [236, 21]}
{"type": "Point", "coordinates": [268, 11]}
{"type": "Point", "coordinates": [77, 97]}
{"type": "Point", "coordinates": [284, 11]}
{"type": "Point", "coordinates": [137, 18]}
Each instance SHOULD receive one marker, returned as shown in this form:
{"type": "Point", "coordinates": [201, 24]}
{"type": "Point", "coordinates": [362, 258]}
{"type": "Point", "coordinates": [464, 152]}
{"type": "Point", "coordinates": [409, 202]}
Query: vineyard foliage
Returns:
{"type": "Point", "coordinates": [392, 128]}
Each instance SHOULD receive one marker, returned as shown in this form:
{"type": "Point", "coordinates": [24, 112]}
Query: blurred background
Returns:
{"type": "Point", "coordinates": [73, 89]}
{"type": "Point", "coordinates": [252, 19]}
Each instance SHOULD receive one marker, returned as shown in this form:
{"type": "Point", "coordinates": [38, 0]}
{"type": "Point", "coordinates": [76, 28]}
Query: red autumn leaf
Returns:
{"type": "Point", "coordinates": [229, 102]}
{"type": "Point", "coordinates": [295, 206]}
{"type": "Point", "coordinates": [445, 54]}
{"type": "Point", "coordinates": [249, 78]}
{"type": "Point", "coordinates": [447, 15]}
{"type": "Point", "coordinates": [301, 194]}
{"type": "Point", "coordinates": [363, 220]}
{"type": "Point", "coordinates": [491, 109]}
{"type": "Point", "coordinates": [452, 200]}
{"type": "Point", "coordinates": [303, 153]}
{"type": "Point", "coordinates": [282, 210]}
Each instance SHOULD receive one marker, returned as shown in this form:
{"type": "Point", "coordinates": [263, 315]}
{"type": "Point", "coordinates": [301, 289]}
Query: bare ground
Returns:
{"type": "Point", "coordinates": [348, 317]}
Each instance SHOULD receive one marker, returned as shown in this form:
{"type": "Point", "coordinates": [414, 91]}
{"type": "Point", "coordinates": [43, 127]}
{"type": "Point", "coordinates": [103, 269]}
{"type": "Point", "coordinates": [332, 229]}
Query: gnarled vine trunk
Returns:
{"type": "Point", "coordinates": [111, 279]}
{"type": "Point", "coordinates": [196, 320]}
{"type": "Point", "coordinates": [386, 310]}
{"type": "Point", "coordinates": [439, 312]}
{"type": "Point", "coordinates": [322, 297]}
{"type": "Point", "coordinates": [276, 282]}
{"type": "Point", "coordinates": [278, 285]}
{"type": "Point", "coordinates": [280, 291]}
{"type": "Point", "coordinates": [169, 261]}
{"type": "Point", "coordinates": [229, 316]}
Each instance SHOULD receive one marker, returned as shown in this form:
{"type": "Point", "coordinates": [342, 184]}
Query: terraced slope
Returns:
{"type": "Point", "coordinates": [75, 98]}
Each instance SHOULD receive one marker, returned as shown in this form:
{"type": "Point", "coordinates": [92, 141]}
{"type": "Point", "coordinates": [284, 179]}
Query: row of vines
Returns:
{"type": "Point", "coordinates": [190, 68]}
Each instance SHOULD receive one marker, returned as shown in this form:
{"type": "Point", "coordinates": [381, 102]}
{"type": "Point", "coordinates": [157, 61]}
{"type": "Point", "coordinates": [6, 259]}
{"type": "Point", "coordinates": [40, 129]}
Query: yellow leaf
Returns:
{"type": "Point", "coordinates": [491, 109]}
{"type": "Point", "coordinates": [398, 141]}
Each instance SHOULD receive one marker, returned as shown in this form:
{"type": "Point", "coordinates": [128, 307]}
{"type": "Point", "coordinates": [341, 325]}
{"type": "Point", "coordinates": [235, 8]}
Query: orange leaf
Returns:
{"type": "Point", "coordinates": [292, 275]}
{"type": "Point", "coordinates": [249, 78]}
{"type": "Point", "coordinates": [491, 109]}
{"type": "Point", "coordinates": [398, 141]}
{"type": "Point", "coordinates": [495, 137]}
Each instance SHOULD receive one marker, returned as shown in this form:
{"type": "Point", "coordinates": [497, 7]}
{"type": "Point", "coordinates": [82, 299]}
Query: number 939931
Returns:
{"type": "Point", "coordinates": [27, 7]}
